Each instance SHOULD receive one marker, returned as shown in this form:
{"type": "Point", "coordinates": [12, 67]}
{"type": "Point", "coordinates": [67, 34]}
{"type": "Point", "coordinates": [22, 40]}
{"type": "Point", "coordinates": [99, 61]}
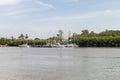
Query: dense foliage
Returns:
{"type": "Point", "coordinates": [108, 38]}
{"type": "Point", "coordinates": [17, 42]}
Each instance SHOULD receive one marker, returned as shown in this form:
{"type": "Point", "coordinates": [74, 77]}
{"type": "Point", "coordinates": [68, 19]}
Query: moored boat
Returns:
{"type": "Point", "coordinates": [58, 45]}
{"type": "Point", "coordinates": [24, 46]}
{"type": "Point", "coordinates": [71, 46]}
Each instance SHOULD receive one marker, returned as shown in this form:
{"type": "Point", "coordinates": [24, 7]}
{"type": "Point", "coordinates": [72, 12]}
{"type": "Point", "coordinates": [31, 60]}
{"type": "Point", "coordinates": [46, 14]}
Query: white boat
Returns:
{"type": "Point", "coordinates": [24, 46]}
{"type": "Point", "coordinates": [58, 45]}
{"type": "Point", "coordinates": [71, 46]}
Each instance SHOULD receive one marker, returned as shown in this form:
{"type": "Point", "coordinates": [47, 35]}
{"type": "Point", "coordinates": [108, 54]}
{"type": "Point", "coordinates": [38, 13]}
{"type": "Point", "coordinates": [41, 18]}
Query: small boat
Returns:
{"type": "Point", "coordinates": [24, 46]}
{"type": "Point", "coordinates": [71, 46]}
{"type": "Point", "coordinates": [58, 45]}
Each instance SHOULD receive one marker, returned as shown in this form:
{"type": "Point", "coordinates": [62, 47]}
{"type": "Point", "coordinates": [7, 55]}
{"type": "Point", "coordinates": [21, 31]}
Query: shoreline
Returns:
{"type": "Point", "coordinates": [55, 47]}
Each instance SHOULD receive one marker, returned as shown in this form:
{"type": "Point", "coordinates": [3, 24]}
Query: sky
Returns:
{"type": "Point", "coordinates": [43, 18]}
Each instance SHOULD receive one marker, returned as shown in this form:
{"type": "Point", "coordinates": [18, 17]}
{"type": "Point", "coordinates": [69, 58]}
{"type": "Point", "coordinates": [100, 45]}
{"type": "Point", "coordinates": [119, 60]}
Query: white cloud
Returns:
{"type": "Point", "coordinates": [14, 13]}
{"type": "Point", "coordinates": [70, 0]}
{"type": "Point", "coordinates": [9, 2]}
{"type": "Point", "coordinates": [44, 4]}
{"type": "Point", "coordinates": [20, 11]}
{"type": "Point", "coordinates": [85, 16]}
{"type": "Point", "coordinates": [39, 29]}
{"type": "Point", "coordinates": [73, 0]}
{"type": "Point", "coordinates": [15, 30]}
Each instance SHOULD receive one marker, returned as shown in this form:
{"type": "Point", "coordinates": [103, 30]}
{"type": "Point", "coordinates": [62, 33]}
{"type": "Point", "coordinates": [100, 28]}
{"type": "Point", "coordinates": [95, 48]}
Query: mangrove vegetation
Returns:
{"type": "Point", "coordinates": [107, 38]}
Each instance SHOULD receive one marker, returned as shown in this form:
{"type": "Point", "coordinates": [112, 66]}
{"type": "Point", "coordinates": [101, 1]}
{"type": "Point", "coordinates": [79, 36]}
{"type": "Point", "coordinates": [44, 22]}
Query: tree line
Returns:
{"type": "Point", "coordinates": [107, 38]}
{"type": "Point", "coordinates": [22, 39]}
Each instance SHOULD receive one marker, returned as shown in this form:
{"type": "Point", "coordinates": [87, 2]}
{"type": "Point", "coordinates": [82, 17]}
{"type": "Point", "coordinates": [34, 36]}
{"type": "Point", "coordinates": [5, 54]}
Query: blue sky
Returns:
{"type": "Point", "coordinates": [43, 18]}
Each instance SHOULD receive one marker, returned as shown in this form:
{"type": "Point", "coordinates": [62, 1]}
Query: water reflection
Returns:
{"type": "Point", "coordinates": [59, 64]}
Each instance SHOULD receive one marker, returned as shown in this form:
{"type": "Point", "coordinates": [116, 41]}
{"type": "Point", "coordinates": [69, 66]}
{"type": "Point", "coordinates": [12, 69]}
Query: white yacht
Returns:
{"type": "Point", "coordinates": [58, 45]}
{"type": "Point", "coordinates": [24, 46]}
{"type": "Point", "coordinates": [71, 46]}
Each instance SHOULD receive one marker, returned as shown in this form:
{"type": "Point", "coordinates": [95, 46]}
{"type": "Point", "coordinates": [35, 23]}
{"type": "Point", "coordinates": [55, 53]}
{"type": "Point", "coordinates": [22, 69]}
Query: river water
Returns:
{"type": "Point", "coordinates": [59, 64]}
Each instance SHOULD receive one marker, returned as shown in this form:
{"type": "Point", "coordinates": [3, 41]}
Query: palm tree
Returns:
{"type": "Point", "coordinates": [21, 36]}
{"type": "Point", "coordinates": [60, 32]}
{"type": "Point", "coordinates": [26, 36]}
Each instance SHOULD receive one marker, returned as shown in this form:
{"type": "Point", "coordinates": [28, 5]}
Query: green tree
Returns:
{"type": "Point", "coordinates": [26, 36]}
{"type": "Point", "coordinates": [92, 34]}
{"type": "Point", "coordinates": [60, 35]}
{"type": "Point", "coordinates": [37, 39]}
{"type": "Point", "coordinates": [21, 36]}
{"type": "Point", "coordinates": [85, 32]}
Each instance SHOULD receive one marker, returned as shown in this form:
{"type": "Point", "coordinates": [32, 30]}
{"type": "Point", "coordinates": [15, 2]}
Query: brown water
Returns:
{"type": "Point", "coordinates": [59, 64]}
